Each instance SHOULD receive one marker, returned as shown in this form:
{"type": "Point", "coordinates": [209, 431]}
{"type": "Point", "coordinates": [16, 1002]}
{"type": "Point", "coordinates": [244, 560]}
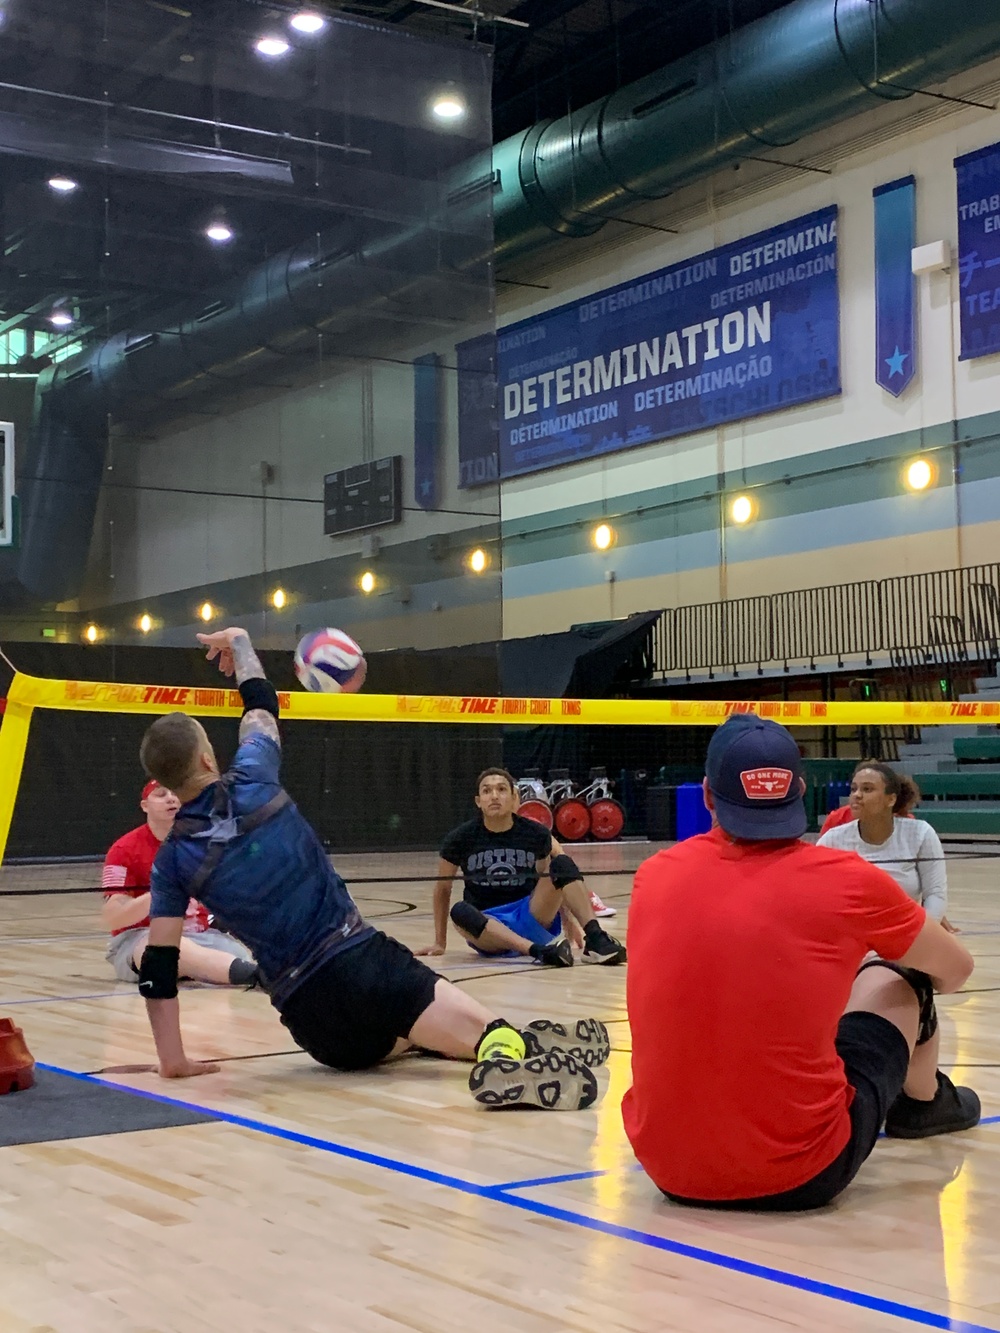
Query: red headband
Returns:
{"type": "Point", "coordinates": [148, 790]}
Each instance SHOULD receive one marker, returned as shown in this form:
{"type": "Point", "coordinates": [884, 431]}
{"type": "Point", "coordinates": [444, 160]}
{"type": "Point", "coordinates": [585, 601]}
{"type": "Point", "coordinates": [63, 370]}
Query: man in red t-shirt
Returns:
{"type": "Point", "coordinates": [206, 954]}
{"type": "Point", "coordinates": [764, 1062]}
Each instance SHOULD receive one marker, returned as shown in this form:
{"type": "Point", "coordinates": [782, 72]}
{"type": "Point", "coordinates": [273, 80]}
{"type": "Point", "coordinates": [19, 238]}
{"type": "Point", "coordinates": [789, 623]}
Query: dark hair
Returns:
{"type": "Point", "coordinates": [905, 790]}
{"type": "Point", "coordinates": [169, 748]}
{"type": "Point", "coordinates": [496, 773]}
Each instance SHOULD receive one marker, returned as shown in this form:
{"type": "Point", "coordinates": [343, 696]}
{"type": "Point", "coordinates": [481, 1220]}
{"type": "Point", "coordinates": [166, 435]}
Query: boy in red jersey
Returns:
{"type": "Point", "coordinates": [767, 1050]}
{"type": "Point", "coordinates": [206, 954]}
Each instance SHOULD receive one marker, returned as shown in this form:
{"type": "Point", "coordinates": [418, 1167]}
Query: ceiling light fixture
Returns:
{"type": "Point", "coordinates": [63, 184]}
{"type": "Point", "coordinates": [206, 611]}
{"type": "Point", "coordinates": [62, 319]}
{"type": "Point", "coordinates": [308, 21]}
{"type": "Point", "coordinates": [278, 598]}
{"type": "Point", "coordinates": [145, 622]}
{"type": "Point", "coordinates": [478, 560]}
{"type": "Point", "coordinates": [272, 46]}
{"type": "Point", "coordinates": [367, 582]}
{"type": "Point", "coordinates": [219, 232]}
{"type": "Point", "coordinates": [91, 634]}
{"type": "Point", "coordinates": [448, 105]}
{"type": "Point", "coordinates": [602, 536]}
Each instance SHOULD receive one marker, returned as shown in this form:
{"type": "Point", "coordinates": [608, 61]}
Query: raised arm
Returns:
{"type": "Point", "coordinates": [236, 657]}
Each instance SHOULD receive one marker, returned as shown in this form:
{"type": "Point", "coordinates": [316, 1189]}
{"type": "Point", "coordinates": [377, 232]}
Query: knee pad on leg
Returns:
{"type": "Point", "coordinates": [469, 918]}
{"type": "Point", "coordinates": [922, 987]}
{"type": "Point", "coordinates": [563, 870]}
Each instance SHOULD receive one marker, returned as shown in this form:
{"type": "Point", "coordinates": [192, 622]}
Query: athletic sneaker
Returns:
{"type": "Point", "coordinates": [952, 1109]}
{"type": "Point", "coordinates": [554, 1081]}
{"type": "Point", "coordinates": [557, 954]}
{"type": "Point", "coordinates": [600, 947]}
{"type": "Point", "coordinates": [600, 909]}
{"type": "Point", "coordinates": [586, 1040]}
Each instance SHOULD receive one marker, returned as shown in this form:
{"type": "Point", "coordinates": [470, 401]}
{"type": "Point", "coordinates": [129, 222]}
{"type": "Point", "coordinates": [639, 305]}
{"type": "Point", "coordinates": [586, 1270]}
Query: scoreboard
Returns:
{"type": "Point", "coordinates": [369, 495]}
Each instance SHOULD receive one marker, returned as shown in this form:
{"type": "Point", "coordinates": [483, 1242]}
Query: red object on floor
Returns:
{"type": "Point", "coordinates": [539, 811]}
{"type": "Point", "coordinates": [17, 1068]}
{"type": "Point", "coordinates": [607, 819]}
{"type": "Point", "coordinates": [572, 820]}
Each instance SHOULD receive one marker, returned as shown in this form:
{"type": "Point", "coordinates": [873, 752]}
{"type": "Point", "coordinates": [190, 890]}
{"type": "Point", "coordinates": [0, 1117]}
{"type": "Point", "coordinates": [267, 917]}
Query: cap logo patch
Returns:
{"type": "Point", "coordinates": [767, 784]}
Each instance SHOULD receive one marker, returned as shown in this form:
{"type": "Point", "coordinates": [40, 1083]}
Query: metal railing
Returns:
{"type": "Point", "coordinates": [948, 616]}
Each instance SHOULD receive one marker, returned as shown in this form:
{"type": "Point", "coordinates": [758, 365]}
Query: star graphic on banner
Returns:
{"type": "Point", "coordinates": [895, 362]}
{"type": "Point", "coordinates": [425, 490]}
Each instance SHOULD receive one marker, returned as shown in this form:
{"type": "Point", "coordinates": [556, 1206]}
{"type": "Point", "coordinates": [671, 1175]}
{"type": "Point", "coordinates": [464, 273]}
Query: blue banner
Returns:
{"type": "Point", "coordinates": [895, 285]}
{"type": "Point", "coordinates": [426, 429]}
{"type": "Point", "coordinates": [743, 330]}
{"type": "Point", "coordinates": [979, 250]}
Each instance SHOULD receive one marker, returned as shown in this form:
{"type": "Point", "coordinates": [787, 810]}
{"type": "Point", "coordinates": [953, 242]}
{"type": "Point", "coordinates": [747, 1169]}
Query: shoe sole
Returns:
{"type": "Point", "coordinates": [606, 912]}
{"type": "Point", "coordinates": [605, 959]}
{"type": "Point", "coordinates": [587, 1040]}
{"type": "Point", "coordinates": [931, 1133]}
{"type": "Point", "coordinates": [550, 1082]}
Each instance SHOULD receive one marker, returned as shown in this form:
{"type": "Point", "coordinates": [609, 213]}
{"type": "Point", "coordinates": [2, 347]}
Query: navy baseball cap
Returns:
{"type": "Point", "coordinates": [753, 769]}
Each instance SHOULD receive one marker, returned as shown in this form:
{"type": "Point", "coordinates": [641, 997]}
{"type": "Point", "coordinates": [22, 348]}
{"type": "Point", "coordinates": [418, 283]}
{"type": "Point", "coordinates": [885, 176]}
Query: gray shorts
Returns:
{"type": "Point", "coordinates": [122, 948]}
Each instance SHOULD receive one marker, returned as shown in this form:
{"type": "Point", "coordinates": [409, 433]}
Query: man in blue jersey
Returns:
{"type": "Point", "coordinates": [348, 994]}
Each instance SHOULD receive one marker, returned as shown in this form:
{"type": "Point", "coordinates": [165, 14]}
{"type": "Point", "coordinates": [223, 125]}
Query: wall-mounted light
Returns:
{"type": "Point", "coordinates": [478, 560]}
{"type": "Point", "coordinates": [367, 582]}
{"type": "Point", "coordinates": [61, 319]}
{"type": "Point", "coordinates": [278, 599]}
{"type": "Point", "coordinates": [145, 622]}
{"type": "Point", "coordinates": [91, 633]}
{"type": "Point", "coordinates": [742, 510]}
{"type": "Point", "coordinates": [603, 536]}
{"type": "Point", "coordinates": [919, 474]}
{"type": "Point", "coordinates": [219, 232]}
{"type": "Point", "coordinates": [63, 184]}
{"type": "Point", "coordinates": [206, 611]}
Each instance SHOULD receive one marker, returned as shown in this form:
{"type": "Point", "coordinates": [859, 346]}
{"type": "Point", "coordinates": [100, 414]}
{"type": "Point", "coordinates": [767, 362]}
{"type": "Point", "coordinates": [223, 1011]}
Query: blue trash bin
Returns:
{"type": "Point", "coordinates": [692, 815]}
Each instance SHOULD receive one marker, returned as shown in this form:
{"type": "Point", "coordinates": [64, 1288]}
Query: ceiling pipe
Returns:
{"type": "Point", "coordinates": [804, 67]}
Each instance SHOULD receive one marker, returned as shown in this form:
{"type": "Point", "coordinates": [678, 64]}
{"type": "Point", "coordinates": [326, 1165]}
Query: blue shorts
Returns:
{"type": "Point", "coordinates": [517, 917]}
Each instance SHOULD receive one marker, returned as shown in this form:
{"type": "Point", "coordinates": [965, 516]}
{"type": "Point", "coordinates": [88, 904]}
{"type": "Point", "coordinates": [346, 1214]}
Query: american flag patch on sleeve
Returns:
{"type": "Point", "coordinates": [114, 877]}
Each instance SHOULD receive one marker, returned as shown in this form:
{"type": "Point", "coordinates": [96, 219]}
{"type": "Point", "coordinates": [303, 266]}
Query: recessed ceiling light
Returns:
{"type": "Point", "coordinates": [308, 21]}
{"type": "Point", "coordinates": [219, 232]}
{"type": "Point", "coordinates": [272, 46]}
{"type": "Point", "coordinates": [61, 319]}
{"type": "Point", "coordinates": [63, 184]}
{"type": "Point", "coordinates": [448, 106]}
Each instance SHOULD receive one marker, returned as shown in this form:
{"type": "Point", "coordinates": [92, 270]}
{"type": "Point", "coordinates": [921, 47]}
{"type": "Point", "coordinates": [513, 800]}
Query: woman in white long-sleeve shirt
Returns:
{"type": "Point", "coordinates": [907, 848]}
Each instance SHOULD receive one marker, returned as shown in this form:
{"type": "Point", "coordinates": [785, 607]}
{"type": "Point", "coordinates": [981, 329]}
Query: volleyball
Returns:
{"type": "Point", "coordinates": [328, 661]}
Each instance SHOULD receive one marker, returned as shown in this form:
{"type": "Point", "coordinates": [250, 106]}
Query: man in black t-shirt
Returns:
{"type": "Point", "coordinates": [515, 889]}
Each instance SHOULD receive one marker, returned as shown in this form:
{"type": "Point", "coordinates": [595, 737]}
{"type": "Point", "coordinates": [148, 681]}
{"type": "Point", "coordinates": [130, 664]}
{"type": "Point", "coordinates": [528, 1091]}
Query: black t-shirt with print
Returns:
{"type": "Point", "coordinates": [499, 868]}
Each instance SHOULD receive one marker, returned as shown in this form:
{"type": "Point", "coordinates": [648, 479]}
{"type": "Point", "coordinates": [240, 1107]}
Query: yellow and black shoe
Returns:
{"type": "Point", "coordinates": [586, 1039]}
{"type": "Point", "coordinates": [553, 1081]}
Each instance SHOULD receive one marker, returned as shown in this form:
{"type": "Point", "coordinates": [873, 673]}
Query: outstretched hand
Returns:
{"type": "Point", "coordinates": [220, 646]}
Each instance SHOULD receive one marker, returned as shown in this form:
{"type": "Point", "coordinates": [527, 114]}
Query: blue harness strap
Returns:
{"type": "Point", "coordinates": [223, 827]}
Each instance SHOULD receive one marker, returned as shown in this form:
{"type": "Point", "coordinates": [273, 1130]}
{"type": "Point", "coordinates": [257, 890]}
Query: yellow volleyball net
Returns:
{"type": "Point", "coordinates": [29, 695]}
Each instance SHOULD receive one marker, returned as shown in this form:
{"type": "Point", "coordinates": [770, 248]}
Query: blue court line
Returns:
{"type": "Point", "coordinates": [563, 1180]}
{"type": "Point", "coordinates": [498, 1194]}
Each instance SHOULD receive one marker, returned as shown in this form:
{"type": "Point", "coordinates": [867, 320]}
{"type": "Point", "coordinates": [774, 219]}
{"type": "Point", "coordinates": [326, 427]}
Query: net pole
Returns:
{"type": "Point", "coordinates": [13, 744]}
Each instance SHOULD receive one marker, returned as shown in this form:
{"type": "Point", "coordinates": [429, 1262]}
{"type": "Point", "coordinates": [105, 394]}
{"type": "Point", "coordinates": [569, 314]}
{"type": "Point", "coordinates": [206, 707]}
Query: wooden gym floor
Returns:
{"type": "Point", "coordinates": [387, 1201]}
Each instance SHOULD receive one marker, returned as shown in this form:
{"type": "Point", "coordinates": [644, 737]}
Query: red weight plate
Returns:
{"type": "Point", "coordinates": [607, 819]}
{"type": "Point", "coordinates": [572, 820]}
{"type": "Point", "coordinates": [539, 811]}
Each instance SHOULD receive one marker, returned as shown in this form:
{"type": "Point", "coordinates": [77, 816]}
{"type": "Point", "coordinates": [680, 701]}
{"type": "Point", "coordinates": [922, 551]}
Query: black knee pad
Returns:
{"type": "Point", "coordinates": [563, 870]}
{"type": "Point", "coordinates": [469, 919]}
{"type": "Point", "coordinates": [922, 987]}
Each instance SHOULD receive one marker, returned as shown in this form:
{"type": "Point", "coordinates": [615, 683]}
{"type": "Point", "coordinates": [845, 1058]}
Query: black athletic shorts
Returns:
{"type": "Point", "coordinates": [876, 1058]}
{"type": "Point", "coordinates": [350, 1013]}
